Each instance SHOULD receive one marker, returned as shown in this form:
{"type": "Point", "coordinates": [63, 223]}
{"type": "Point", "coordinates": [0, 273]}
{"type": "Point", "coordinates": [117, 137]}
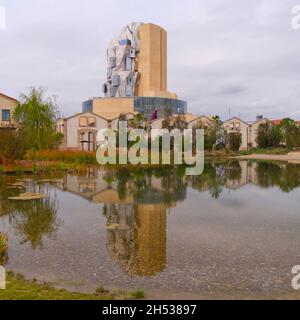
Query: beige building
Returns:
{"type": "Point", "coordinates": [253, 132]}
{"type": "Point", "coordinates": [200, 121]}
{"type": "Point", "coordinates": [137, 75]}
{"type": "Point", "coordinates": [236, 125]}
{"type": "Point", "coordinates": [152, 62]}
{"type": "Point", "coordinates": [109, 108]}
{"type": "Point", "coordinates": [80, 131]}
{"type": "Point", "coordinates": [248, 130]}
{"type": "Point", "coordinates": [7, 106]}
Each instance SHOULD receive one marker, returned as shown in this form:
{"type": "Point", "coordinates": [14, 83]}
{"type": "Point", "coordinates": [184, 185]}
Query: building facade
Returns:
{"type": "Point", "coordinates": [236, 125]}
{"type": "Point", "coordinates": [136, 78]}
{"type": "Point", "coordinates": [7, 107]}
{"type": "Point", "coordinates": [80, 131]}
{"type": "Point", "coordinates": [202, 121]}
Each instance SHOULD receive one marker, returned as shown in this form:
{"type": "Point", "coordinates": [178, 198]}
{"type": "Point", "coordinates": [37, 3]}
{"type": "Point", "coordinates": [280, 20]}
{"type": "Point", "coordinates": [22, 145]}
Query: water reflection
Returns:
{"type": "Point", "coordinates": [33, 219]}
{"type": "Point", "coordinates": [135, 203]}
{"type": "Point", "coordinates": [136, 237]}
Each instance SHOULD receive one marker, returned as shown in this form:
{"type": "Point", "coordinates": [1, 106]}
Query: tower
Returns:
{"type": "Point", "coordinates": [136, 78]}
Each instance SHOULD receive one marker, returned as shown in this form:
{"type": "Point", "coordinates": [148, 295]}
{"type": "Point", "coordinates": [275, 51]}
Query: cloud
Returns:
{"type": "Point", "coordinates": [238, 54]}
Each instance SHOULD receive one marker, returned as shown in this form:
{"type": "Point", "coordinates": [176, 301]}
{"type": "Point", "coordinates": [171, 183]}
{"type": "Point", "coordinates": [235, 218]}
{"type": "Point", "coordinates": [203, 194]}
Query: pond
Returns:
{"type": "Point", "coordinates": [233, 231]}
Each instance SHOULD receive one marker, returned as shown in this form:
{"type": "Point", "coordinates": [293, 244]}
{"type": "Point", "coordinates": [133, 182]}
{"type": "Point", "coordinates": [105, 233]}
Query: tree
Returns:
{"type": "Point", "coordinates": [234, 141]}
{"type": "Point", "coordinates": [210, 135]}
{"type": "Point", "coordinates": [268, 136]}
{"type": "Point", "coordinates": [290, 133]}
{"type": "Point", "coordinates": [138, 121]}
{"type": "Point", "coordinates": [221, 133]}
{"type": "Point", "coordinates": [292, 137]}
{"type": "Point", "coordinates": [36, 117]}
{"type": "Point", "coordinates": [122, 117]}
{"type": "Point", "coordinates": [214, 134]}
{"type": "Point", "coordinates": [11, 145]}
{"type": "Point", "coordinates": [174, 122]}
{"type": "Point", "coordinates": [57, 139]}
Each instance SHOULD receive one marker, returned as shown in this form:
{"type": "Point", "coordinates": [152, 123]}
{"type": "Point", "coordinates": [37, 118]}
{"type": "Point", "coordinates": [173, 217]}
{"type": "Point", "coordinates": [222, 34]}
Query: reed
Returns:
{"type": "Point", "coordinates": [3, 246]}
{"type": "Point", "coordinates": [79, 157]}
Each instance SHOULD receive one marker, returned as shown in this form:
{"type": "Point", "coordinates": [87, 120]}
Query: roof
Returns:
{"type": "Point", "coordinates": [236, 118]}
{"type": "Point", "coordinates": [191, 117]}
{"type": "Point", "coordinates": [116, 118]}
{"type": "Point", "coordinates": [8, 97]}
{"type": "Point", "coordinates": [252, 123]}
{"type": "Point", "coordinates": [277, 122]}
{"type": "Point", "coordinates": [81, 113]}
{"type": "Point", "coordinates": [199, 117]}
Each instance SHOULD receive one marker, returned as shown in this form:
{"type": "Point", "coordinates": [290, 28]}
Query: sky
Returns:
{"type": "Point", "coordinates": [237, 58]}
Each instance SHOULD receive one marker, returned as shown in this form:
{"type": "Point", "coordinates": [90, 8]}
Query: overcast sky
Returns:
{"type": "Point", "coordinates": [239, 54]}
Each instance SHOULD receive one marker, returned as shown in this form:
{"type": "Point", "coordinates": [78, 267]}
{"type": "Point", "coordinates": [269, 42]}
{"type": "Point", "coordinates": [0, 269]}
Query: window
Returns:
{"type": "Point", "coordinates": [5, 115]}
{"type": "Point", "coordinates": [128, 64]}
{"type": "Point", "coordinates": [92, 122]}
{"type": "Point", "coordinates": [83, 121]}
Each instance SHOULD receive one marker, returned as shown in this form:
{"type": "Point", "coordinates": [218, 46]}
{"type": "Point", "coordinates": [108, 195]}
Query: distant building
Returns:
{"type": "Point", "coordinates": [202, 121]}
{"type": "Point", "coordinates": [80, 130]}
{"type": "Point", "coordinates": [253, 132]}
{"type": "Point", "coordinates": [236, 125]}
{"type": "Point", "coordinates": [7, 107]}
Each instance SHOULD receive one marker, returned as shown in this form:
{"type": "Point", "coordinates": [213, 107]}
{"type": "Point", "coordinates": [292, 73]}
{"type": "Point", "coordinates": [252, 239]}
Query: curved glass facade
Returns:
{"type": "Point", "coordinates": [147, 105]}
{"type": "Point", "coordinates": [87, 106]}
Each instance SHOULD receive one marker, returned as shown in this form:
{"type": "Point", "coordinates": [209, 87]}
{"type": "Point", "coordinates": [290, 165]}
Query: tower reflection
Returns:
{"type": "Point", "coordinates": [136, 202]}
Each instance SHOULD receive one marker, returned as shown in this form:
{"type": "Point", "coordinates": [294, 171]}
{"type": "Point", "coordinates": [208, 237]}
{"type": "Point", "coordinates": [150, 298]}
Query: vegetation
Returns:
{"type": "Point", "coordinates": [3, 248]}
{"type": "Point", "coordinates": [35, 116]}
{"type": "Point", "coordinates": [268, 136]}
{"type": "Point", "coordinates": [138, 294]}
{"type": "Point", "coordinates": [20, 289]}
{"type": "Point", "coordinates": [69, 156]}
{"type": "Point", "coordinates": [289, 131]}
{"type": "Point", "coordinates": [274, 151]}
{"type": "Point", "coordinates": [11, 145]}
{"type": "Point", "coordinates": [210, 135]}
{"type": "Point", "coordinates": [287, 134]}
{"type": "Point", "coordinates": [234, 141]}
{"type": "Point", "coordinates": [171, 122]}
{"type": "Point", "coordinates": [137, 122]}
{"type": "Point", "coordinates": [214, 135]}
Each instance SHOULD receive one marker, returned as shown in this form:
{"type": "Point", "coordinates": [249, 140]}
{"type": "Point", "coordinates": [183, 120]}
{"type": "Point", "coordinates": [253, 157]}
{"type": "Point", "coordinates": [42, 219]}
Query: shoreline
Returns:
{"type": "Point", "coordinates": [291, 158]}
{"type": "Point", "coordinates": [38, 166]}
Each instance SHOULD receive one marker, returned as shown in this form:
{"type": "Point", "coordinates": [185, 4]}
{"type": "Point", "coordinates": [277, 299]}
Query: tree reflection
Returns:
{"type": "Point", "coordinates": [32, 219]}
{"type": "Point", "coordinates": [35, 219]}
{"type": "Point", "coordinates": [286, 176]}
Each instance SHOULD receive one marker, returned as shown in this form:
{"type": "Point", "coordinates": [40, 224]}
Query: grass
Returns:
{"type": "Point", "coordinates": [17, 288]}
{"type": "Point", "coordinates": [66, 156]}
{"type": "Point", "coordinates": [138, 294]}
{"type": "Point", "coordinates": [272, 151]}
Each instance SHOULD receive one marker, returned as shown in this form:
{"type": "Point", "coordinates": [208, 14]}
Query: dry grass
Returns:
{"type": "Point", "coordinates": [3, 245]}
{"type": "Point", "coordinates": [62, 156]}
